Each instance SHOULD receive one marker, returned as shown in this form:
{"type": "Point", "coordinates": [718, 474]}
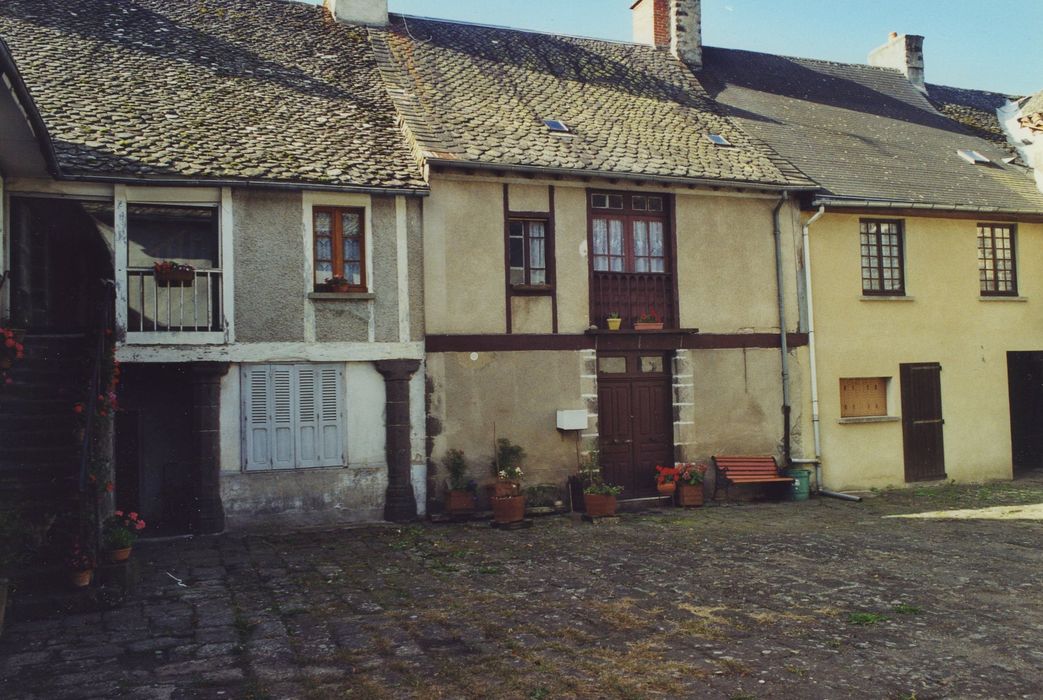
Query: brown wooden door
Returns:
{"type": "Point", "coordinates": [922, 421]}
{"type": "Point", "coordinates": [634, 419]}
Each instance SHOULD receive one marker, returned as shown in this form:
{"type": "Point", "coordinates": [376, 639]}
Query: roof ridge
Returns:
{"type": "Point", "coordinates": [522, 30]}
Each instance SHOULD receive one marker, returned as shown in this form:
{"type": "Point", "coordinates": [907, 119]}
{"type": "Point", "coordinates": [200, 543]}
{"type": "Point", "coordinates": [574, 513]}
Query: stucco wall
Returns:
{"type": "Point", "coordinates": [269, 266]}
{"type": "Point", "coordinates": [942, 320]}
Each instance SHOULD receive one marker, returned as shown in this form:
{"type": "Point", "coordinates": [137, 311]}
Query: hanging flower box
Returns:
{"type": "Point", "coordinates": [172, 274]}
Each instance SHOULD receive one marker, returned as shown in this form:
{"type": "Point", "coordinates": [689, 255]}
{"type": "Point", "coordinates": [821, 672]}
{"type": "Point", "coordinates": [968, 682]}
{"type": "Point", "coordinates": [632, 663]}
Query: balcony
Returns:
{"type": "Point", "coordinates": [631, 294]}
{"type": "Point", "coordinates": [158, 310]}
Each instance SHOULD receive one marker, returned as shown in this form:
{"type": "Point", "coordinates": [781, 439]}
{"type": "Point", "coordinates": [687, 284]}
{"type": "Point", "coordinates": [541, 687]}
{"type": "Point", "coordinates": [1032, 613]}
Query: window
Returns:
{"type": "Point", "coordinates": [292, 416]}
{"type": "Point", "coordinates": [882, 258]}
{"type": "Point", "coordinates": [632, 240]}
{"type": "Point", "coordinates": [527, 247]}
{"type": "Point", "coordinates": [863, 397]}
{"type": "Point", "coordinates": [996, 271]}
{"type": "Point", "coordinates": [340, 246]}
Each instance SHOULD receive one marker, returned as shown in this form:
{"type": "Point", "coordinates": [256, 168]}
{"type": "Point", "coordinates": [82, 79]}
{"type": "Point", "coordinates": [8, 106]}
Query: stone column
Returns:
{"type": "Point", "coordinates": [209, 515]}
{"type": "Point", "coordinates": [400, 503]}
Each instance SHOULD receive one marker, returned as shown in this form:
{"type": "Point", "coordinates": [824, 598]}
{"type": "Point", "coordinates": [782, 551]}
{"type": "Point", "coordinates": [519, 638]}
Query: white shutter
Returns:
{"type": "Point", "coordinates": [282, 417]}
{"type": "Point", "coordinates": [330, 423]}
{"type": "Point", "coordinates": [308, 417]}
{"type": "Point", "coordinates": [256, 424]}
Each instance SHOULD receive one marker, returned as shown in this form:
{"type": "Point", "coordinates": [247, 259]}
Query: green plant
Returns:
{"type": "Point", "coordinates": [650, 316]}
{"type": "Point", "coordinates": [120, 530]}
{"type": "Point", "coordinates": [865, 619]}
{"type": "Point", "coordinates": [455, 464]}
{"type": "Point", "coordinates": [691, 474]}
{"type": "Point", "coordinates": [507, 462]}
{"type": "Point", "coordinates": [907, 609]}
{"type": "Point", "coordinates": [613, 314]}
{"type": "Point", "coordinates": [594, 482]}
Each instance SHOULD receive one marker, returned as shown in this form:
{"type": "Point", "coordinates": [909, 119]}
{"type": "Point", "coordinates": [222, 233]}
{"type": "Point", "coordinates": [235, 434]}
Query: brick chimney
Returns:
{"type": "Point", "coordinates": [369, 12]}
{"type": "Point", "coordinates": [904, 52]}
{"type": "Point", "coordinates": [676, 24]}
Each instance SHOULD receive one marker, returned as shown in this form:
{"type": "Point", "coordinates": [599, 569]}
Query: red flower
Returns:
{"type": "Point", "coordinates": [77, 408]}
{"type": "Point", "coordinates": [110, 487]}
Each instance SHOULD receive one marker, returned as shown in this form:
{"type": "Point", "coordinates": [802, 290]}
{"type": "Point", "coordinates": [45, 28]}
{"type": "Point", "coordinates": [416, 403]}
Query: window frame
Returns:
{"type": "Point", "coordinates": [629, 214]}
{"type": "Point", "coordinates": [992, 228]}
{"type": "Point", "coordinates": [879, 266]}
{"type": "Point", "coordinates": [548, 252]}
{"type": "Point", "coordinates": [337, 241]}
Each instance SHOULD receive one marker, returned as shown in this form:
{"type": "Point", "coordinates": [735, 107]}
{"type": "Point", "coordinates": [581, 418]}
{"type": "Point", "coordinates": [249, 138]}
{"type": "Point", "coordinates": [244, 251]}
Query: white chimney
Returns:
{"type": "Point", "coordinates": [671, 23]}
{"type": "Point", "coordinates": [370, 12]}
{"type": "Point", "coordinates": [904, 52]}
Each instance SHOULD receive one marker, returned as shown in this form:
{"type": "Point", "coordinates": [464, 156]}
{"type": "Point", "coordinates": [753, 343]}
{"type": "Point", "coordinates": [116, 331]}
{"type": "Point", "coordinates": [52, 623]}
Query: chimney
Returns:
{"type": "Point", "coordinates": [676, 24]}
{"type": "Point", "coordinates": [370, 12]}
{"type": "Point", "coordinates": [904, 52]}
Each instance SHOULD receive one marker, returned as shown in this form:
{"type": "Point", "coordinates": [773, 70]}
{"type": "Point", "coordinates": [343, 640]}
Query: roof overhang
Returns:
{"type": "Point", "coordinates": [25, 146]}
{"type": "Point", "coordinates": [845, 205]}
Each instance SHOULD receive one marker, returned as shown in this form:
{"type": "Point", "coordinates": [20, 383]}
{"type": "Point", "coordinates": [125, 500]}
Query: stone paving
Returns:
{"type": "Point", "coordinates": [824, 599]}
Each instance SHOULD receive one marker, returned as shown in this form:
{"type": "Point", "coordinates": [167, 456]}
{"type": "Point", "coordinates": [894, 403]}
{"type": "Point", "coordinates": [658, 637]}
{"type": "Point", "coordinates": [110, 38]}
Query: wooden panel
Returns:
{"type": "Point", "coordinates": [616, 438]}
{"type": "Point", "coordinates": [865, 396]}
{"type": "Point", "coordinates": [922, 422]}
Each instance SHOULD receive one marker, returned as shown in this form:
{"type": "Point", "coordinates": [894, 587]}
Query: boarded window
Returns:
{"type": "Point", "coordinates": [863, 396]}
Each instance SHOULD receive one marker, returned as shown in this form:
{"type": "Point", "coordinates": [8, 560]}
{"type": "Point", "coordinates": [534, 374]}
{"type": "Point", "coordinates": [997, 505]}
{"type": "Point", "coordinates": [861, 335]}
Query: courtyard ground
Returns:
{"type": "Point", "coordinates": [824, 599]}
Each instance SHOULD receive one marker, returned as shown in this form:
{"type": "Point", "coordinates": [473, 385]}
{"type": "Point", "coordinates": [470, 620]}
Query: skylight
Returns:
{"type": "Point", "coordinates": [557, 126]}
{"type": "Point", "coordinates": [972, 156]}
{"type": "Point", "coordinates": [718, 140]}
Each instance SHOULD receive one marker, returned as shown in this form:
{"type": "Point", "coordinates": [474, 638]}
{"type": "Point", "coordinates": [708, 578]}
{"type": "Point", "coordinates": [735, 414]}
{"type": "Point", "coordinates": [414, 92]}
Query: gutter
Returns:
{"type": "Point", "coordinates": [259, 184]}
{"type": "Point", "coordinates": [925, 206]}
{"type": "Point", "coordinates": [784, 344]}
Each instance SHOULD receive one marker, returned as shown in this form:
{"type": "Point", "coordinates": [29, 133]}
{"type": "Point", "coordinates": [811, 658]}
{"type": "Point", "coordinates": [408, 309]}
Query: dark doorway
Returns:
{"type": "Point", "coordinates": [1025, 379]}
{"type": "Point", "coordinates": [635, 419]}
{"type": "Point", "coordinates": [922, 421]}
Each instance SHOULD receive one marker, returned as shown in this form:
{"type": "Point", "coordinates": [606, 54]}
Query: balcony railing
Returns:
{"type": "Point", "coordinates": [631, 294]}
{"type": "Point", "coordinates": [195, 306]}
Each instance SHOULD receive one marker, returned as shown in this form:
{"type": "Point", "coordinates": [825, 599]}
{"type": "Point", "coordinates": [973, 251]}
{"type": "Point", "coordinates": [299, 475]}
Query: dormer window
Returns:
{"type": "Point", "coordinates": [972, 156]}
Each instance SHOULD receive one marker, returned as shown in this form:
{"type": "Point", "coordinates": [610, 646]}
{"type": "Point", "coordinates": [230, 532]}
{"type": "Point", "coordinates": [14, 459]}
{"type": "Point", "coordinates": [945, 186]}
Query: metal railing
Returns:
{"type": "Point", "coordinates": [631, 294]}
{"type": "Point", "coordinates": [168, 307]}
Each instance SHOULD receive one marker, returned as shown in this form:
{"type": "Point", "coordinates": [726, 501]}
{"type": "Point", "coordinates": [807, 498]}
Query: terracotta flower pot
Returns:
{"type": "Point", "coordinates": [122, 554]}
{"type": "Point", "coordinates": [508, 509]}
{"type": "Point", "coordinates": [668, 488]}
{"type": "Point", "coordinates": [598, 505]}
{"type": "Point", "coordinates": [648, 326]}
{"type": "Point", "coordinates": [500, 489]}
{"type": "Point", "coordinates": [690, 495]}
{"type": "Point", "coordinates": [81, 579]}
{"type": "Point", "coordinates": [459, 502]}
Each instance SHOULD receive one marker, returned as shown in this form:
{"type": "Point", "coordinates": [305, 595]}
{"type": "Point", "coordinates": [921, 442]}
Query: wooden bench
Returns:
{"type": "Point", "coordinates": [746, 470]}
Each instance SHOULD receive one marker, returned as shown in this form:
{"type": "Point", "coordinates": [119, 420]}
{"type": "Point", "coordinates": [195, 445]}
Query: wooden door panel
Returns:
{"type": "Point", "coordinates": [614, 426]}
{"type": "Point", "coordinates": [922, 422]}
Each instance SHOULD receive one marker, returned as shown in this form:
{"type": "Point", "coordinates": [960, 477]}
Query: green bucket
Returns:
{"type": "Point", "coordinates": [801, 490]}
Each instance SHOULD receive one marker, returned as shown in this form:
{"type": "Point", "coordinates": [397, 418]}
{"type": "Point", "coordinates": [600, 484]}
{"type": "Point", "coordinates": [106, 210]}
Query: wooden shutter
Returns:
{"type": "Point", "coordinates": [308, 417]}
{"type": "Point", "coordinates": [257, 426]}
{"type": "Point", "coordinates": [282, 417]}
{"type": "Point", "coordinates": [330, 423]}
{"type": "Point", "coordinates": [865, 396]}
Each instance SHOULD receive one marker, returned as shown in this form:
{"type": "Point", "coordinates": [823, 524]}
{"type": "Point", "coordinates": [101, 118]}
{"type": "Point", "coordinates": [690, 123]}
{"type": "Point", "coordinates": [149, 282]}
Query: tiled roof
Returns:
{"type": "Point", "coordinates": [259, 90]}
{"type": "Point", "coordinates": [863, 133]}
{"type": "Point", "coordinates": [478, 95]}
{"type": "Point", "coordinates": [975, 109]}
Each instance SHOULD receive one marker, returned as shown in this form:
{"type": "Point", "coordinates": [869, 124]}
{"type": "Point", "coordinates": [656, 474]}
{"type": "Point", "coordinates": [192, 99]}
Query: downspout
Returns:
{"type": "Point", "coordinates": [783, 341]}
{"type": "Point", "coordinates": [816, 430]}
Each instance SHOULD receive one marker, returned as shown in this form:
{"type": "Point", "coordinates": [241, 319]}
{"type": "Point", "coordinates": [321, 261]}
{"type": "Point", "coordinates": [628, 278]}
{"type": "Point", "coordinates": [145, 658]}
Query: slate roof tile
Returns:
{"type": "Point", "coordinates": [266, 90]}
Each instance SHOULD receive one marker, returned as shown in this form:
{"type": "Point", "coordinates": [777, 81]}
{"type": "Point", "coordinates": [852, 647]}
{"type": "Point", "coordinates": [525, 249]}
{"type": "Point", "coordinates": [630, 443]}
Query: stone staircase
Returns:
{"type": "Point", "coordinates": [39, 442]}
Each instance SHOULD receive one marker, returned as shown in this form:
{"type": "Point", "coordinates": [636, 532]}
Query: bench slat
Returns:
{"type": "Point", "coordinates": [750, 470]}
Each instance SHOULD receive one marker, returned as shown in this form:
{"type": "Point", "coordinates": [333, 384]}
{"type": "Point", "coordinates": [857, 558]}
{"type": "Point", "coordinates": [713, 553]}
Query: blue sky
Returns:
{"type": "Point", "coordinates": [985, 44]}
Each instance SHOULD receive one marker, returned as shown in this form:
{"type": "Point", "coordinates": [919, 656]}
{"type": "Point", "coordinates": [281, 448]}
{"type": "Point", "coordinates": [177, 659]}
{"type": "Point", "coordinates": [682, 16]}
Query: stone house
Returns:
{"type": "Point", "coordinates": [252, 142]}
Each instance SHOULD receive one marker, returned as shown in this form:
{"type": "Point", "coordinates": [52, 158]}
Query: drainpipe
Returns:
{"type": "Point", "coordinates": [814, 367]}
{"type": "Point", "coordinates": [786, 409]}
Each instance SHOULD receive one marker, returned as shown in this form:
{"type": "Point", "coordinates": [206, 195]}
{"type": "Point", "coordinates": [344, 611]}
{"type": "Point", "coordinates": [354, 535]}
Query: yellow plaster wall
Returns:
{"type": "Point", "coordinates": [943, 320]}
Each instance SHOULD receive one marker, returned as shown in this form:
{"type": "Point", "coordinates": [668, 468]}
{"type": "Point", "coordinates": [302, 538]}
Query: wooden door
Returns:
{"type": "Point", "coordinates": [1025, 381]}
{"type": "Point", "coordinates": [922, 421]}
{"type": "Point", "coordinates": [635, 419]}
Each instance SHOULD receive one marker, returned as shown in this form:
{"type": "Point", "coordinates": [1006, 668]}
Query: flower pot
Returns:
{"type": "Point", "coordinates": [122, 554]}
{"type": "Point", "coordinates": [500, 489]}
{"type": "Point", "coordinates": [690, 495]}
{"type": "Point", "coordinates": [176, 278]}
{"type": "Point", "coordinates": [598, 505]}
{"type": "Point", "coordinates": [508, 509]}
{"type": "Point", "coordinates": [459, 502]}
{"type": "Point", "coordinates": [667, 489]}
{"type": "Point", "coordinates": [81, 579]}
{"type": "Point", "coordinates": [614, 323]}
{"type": "Point", "coordinates": [639, 326]}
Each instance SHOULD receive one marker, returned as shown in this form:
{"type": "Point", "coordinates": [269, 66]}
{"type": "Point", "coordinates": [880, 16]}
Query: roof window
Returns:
{"type": "Point", "coordinates": [718, 140]}
{"type": "Point", "coordinates": [972, 156]}
{"type": "Point", "coordinates": [557, 126]}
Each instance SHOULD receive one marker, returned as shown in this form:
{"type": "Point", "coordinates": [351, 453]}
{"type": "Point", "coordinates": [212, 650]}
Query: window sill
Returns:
{"type": "Point", "coordinates": [883, 297]}
{"type": "Point", "coordinates": [869, 419]}
{"type": "Point", "coordinates": [1000, 297]}
{"type": "Point", "coordinates": [342, 296]}
{"type": "Point", "coordinates": [532, 289]}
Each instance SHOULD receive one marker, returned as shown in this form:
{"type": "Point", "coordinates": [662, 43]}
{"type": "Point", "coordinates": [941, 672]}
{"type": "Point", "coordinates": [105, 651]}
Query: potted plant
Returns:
{"type": "Point", "coordinates": [80, 564]}
{"type": "Point", "coordinates": [459, 494]}
{"type": "Point", "coordinates": [173, 274]}
{"type": "Point", "coordinates": [690, 484]}
{"type": "Point", "coordinates": [508, 503]}
{"type": "Point", "coordinates": [119, 532]}
{"type": "Point", "coordinates": [338, 284]}
{"type": "Point", "coordinates": [613, 320]}
{"type": "Point", "coordinates": [599, 496]}
{"type": "Point", "coordinates": [11, 349]}
{"type": "Point", "coordinates": [650, 320]}
{"type": "Point", "coordinates": [666, 480]}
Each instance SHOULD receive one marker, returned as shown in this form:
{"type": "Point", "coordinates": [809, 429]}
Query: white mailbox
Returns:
{"type": "Point", "coordinates": [572, 419]}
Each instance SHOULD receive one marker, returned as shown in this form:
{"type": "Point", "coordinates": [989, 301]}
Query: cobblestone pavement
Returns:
{"type": "Point", "coordinates": [824, 599]}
